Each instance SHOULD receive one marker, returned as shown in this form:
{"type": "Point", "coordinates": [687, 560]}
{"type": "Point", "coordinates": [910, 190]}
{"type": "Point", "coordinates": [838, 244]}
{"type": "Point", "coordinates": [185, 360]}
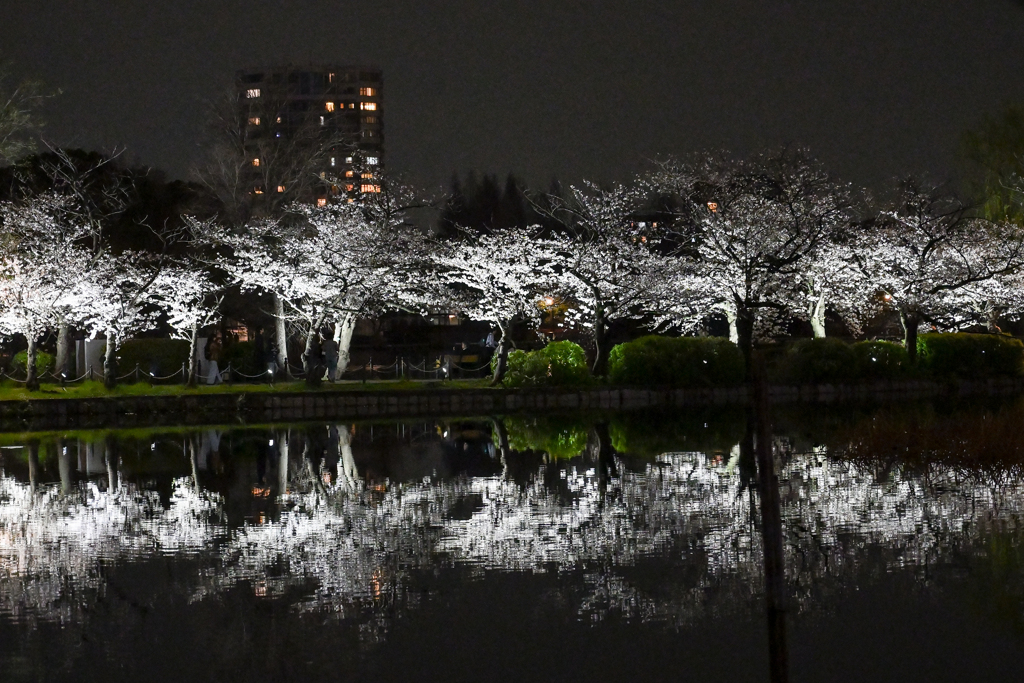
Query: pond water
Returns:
{"type": "Point", "coordinates": [863, 544]}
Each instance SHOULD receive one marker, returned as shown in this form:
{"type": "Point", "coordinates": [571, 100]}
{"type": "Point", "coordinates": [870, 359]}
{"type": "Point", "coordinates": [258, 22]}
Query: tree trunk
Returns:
{"type": "Point", "coordinates": [818, 317]}
{"type": "Point", "coordinates": [110, 459]}
{"type": "Point", "coordinates": [310, 364]}
{"type": "Point", "coordinates": [347, 471]}
{"type": "Point", "coordinates": [601, 349]}
{"type": "Point", "coordinates": [501, 364]}
{"type": "Point", "coordinates": [281, 336]}
{"type": "Point", "coordinates": [343, 331]}
{"type": "Point", "coordinates": [734, 335]}
{"type": "Point", "coordinates": [193, 354]}
{"type": "Point", "coordinates": [31, 375]}
{"type": "Point", "coordinates": [745, 338]}
{"type": "Point", "coordinates": [910, 322]}
{"type": "Point", "coordinates": [62, 362]}
{"type": "Point", "coordinates": [33, 463]}
{"type": "Point", "coordinates": [110, 362]}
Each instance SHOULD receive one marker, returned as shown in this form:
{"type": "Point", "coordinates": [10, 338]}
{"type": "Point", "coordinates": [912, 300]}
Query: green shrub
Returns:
{"type": "Point", "coordinates": [676, 361]}
{"type": "Point", "coordinates": [159, 356]}
{"type": "Point", "coordinates": [820, 361]}
{"type": "Point", "coordinates": [558, 364]}
{"type": "Point", "coordinates": [970, 355]}
{"type": "Point", "coordinates": [881, 360]}
{"type": "Point", "coordinates": [44, 362]}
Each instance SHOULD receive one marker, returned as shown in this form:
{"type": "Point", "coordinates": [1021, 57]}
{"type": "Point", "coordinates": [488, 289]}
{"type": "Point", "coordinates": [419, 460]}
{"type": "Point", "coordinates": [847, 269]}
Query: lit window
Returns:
{"type": "Point", "coordinates": [348, 160]}
{"type": "Point", "coordinates": [349, 174]}
{"type": "Point", "coordinates": [351, 105]}
{"type": "Point", "coordinates": [255, 162]}
{"type": "Point", "coordinates": [369, 188]}
{"type": "Point", "coordinates": [348, 187]}
{"type": "Point", "coordinates": [369, 119]}
{"type": "Point", "coordinates": [279, 119]}
{"type": "Point", "coordinates": [257, 190]}
{"type": "Point", "coordinates": [332, 161]}
{"type": "Point", "coordinates": [280, 188]}
{"type": "Point", "coordinates": [369, 134]}
{"type": "Point", "coordinates": [367, 92]}
{"type": "Point", "coordinates": [329, 106]}
{"type": "Point", "coordinates": [368, 106]}
{"type": "Point", "coordinates": [321, 201]}
{"type": "Point", "coordinates": [372, 161]}
{"type": "Point", "coordinates": [713, 207]}
{"type": "Point", "coordinates": [322, 120]}
{"type": "Point", "coordinates": [323, 175]}
{"type": "Point", "coordinates": [252, 93]}
{"type": "Point", "coordinates": [366, 176]}
{"type": "Point", "coordinates": [254, 120]}
{"type": "Point", "coordinates": [330, 77]}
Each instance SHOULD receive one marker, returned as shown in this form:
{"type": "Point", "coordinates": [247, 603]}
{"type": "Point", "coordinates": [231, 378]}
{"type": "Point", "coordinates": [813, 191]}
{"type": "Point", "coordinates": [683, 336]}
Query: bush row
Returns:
{"type": "Point", "coordinates": [713, 361]}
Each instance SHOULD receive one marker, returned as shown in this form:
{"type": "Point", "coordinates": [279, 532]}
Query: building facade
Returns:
{"type": "Point", "coordinates": [318, 128]}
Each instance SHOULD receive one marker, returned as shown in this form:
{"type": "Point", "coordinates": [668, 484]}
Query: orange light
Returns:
{"type": "Point", "coordinates": [321, 201]}
{"type": "Point", "coordinates": [329, 106]}
{"type": "Point", "coordinates": [713, 207]}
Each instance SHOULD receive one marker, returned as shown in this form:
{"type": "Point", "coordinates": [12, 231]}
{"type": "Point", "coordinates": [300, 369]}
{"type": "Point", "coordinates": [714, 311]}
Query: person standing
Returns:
{"type": "Point", "coordinates": [329, 348]}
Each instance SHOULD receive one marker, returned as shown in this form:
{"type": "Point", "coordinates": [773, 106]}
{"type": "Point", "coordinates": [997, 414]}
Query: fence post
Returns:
{"type": "Point", "coordinates": [136, 373]}
{"type": "Point", "coordinates": [90, 372]}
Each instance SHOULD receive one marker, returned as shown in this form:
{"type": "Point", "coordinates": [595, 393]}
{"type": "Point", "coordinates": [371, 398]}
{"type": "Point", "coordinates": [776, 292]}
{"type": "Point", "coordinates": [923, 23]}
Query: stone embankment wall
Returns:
{"type": "Point", "coordinates": [198, 409]}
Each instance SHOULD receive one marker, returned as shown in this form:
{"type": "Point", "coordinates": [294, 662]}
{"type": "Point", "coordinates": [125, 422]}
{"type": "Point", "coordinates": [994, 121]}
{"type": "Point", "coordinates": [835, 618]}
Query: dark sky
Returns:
{"type": "Point", "coordinates": [567, 87]}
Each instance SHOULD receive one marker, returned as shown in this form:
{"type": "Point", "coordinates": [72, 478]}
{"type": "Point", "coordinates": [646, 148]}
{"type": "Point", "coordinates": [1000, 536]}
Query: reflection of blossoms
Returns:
{"type": "Point", "coordinates": [353, 549]}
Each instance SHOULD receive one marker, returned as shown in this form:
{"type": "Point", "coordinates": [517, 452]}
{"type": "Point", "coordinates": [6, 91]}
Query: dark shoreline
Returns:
{"type": "Point", "coordinates": [254, 408]}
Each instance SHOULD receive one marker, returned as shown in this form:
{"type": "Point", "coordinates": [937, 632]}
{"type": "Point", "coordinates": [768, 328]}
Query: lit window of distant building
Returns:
{"type": "Point", "coordinates": [329, 106]}
{"type": "Point", "coordinates": [257, 190]}
{"type": "Point", "coordinates": [369, 188]}
{"type": "Point", "coordinates": [323, 121]}
{"type": "Point", "coordinates": [321, 201]}
{"type": "Point", "coordinates": [351, 105]}
{"type": "Point", "coordinates": [323, 175]}
{"type": "Point", "coordinates": [366, 176]}
{"type": "Point", "coordinates": [254, 120]}
{"type": "Point", "coordinates": [280, 188]}
{"type": "Point", "coordinates": [252, 93]}
{"type": "Point", "coordinates": [348, 160]}
{"type": "Point", "coordinates": [330, 77]}
{"type": "Point", "coordinates": [279, 119]}
{"type": "Point", "coordinates": [348, 187]}
{"type": "Point", "coordinates": [368, 106]}
{"type": "Point", "coordinates": [372, 161]}
{"type": "Point", "coordinates": [255, 162]}
{"type": "Point", "coordinates": [332, 161]}
{"type": "Point", "coordinates": [349, 174]}
{"type": "Point", "coordinates": [367, 92]}
{"type": "Point", "coordinates": [369, 119]}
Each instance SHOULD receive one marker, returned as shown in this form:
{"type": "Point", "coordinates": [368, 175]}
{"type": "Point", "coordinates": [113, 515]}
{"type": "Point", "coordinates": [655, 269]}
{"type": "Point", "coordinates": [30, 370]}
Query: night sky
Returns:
{"type": "Point", "coordinates": [571, 88]}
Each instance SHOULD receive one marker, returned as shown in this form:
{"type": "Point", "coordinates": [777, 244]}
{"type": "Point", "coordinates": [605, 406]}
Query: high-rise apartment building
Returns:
{"type": "Point", "coordinates": [323, 121]}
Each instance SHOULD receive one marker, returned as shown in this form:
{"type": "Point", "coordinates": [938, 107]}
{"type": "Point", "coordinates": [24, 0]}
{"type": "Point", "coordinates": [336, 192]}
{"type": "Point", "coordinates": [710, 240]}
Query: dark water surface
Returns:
{"type": "Point", "coordinates": [609, 547]}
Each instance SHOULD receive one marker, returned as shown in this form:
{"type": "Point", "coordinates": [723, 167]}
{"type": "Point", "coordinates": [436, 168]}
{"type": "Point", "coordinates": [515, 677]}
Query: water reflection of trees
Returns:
{"type": "Point", "coordinates": [319, 526]}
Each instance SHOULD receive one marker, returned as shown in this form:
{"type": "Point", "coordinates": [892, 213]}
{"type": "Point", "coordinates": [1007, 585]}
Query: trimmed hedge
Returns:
{"type": "Point", "coordinates": [159, 356]}
{"type": "Point", "coordinates": [881, 360]}
{"type": "Point", "coordinates": [970, 355]}
{"type": "Point", "coordinates": [676, 361]}
{"type": "Point", "coordinates": [558, 364]}
{"type": "Point", "coordinates": [820, 361]}
{"type": "Point", "coordinates": [44, 362]}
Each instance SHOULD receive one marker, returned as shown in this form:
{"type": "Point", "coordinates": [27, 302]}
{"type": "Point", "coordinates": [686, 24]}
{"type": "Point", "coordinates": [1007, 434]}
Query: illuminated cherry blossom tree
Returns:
{"type": "Point", "coordinates": [190, 301]}
{"type": "Point", "coordinates": [933, 262]}
{"type": "Point", "coordinates": [602, 261]}
{"type": "Point", "coordinates": [43, 272]}
{"type": "Point", "coordinates": [750, 229]}
{"type": "Point", "coordinates": [326, 264]}
{"type": "Point", "coordinates": [498, 278]}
